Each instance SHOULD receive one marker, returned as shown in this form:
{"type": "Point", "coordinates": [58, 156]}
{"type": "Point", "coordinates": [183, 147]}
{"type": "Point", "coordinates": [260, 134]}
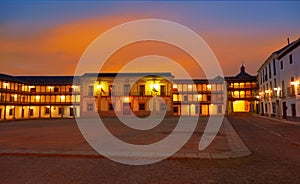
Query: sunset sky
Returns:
{"type": "Point", "coordinates": [49, 37]}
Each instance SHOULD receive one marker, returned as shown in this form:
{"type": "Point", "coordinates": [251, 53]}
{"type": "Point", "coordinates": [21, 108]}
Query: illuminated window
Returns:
{"type": "Point", "coordinates": [235, 94]}
{"type": "Point", "coordinates": [242, 94]}
{"type": "Point", "coordinates": [175, 97]}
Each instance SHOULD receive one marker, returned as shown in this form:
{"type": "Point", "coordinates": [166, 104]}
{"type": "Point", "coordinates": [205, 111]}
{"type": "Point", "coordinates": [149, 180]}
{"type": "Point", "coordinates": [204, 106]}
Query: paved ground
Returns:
{"type": "Point", "coordinates": [274, 159]}
{"type": "Point", "coordinates": [63, 138]}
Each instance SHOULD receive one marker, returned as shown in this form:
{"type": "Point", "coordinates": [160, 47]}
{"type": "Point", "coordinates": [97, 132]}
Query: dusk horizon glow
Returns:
{"type": "Point", "coordinates": [48, 38]}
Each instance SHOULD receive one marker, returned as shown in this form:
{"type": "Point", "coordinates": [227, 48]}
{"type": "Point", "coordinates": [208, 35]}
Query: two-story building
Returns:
{"type": "Point", "coordinates": [126, 93]}
{"type": "Point", "coordinates": [278, 79]}
{"type": "Point", "coordinates": [39, 97]}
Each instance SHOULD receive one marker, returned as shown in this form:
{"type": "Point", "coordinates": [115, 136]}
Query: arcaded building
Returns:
{"type": "Point", "coordinates": [242, 92]}
{"type": "Point", "coordinates": [125, 94]}
{"type": "Point", "coordinates": [23, 97]}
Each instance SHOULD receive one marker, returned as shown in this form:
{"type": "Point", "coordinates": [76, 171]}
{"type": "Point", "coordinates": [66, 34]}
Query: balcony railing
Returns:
{"type": "Point", "coordinates": [139, 93]}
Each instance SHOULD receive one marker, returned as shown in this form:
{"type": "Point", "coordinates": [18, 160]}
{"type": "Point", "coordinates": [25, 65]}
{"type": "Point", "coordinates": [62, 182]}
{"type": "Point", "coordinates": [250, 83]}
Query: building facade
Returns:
{"type": "Point", "coordinates": [242, 92]}
{"type": "Point", "coordinates": [278, 79]}
{"type": "Point", "coordinates": [39, 97]}
{"type": "Point", "coordinates": [125, 94]}
{"type": "Point", "coordinates": [199, 97]}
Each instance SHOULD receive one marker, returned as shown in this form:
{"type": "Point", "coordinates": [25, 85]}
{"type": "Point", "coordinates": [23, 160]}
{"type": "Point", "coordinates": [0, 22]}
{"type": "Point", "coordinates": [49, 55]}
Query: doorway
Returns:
{"type": "Point", "coordinates": [22, 113]}
{"type": "Point", "coordinates": [293, 109]}
{"type": "Point", "coordinates": [126, 109]}
{"type": "Point", "coordinates": [284, 108]}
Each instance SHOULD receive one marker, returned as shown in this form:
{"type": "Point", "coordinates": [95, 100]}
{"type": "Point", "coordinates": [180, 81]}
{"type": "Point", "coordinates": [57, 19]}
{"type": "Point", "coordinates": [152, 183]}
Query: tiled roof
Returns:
{"type": "Point", "coordinates": [41, 80]}
{"type": "Point", "coordinates": [127, 74]}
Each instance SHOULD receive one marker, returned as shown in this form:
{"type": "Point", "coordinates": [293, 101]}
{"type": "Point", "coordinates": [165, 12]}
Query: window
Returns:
{"type": "Point", "coordinates": [90, 107]}
{"type": "Point", "coordinates": [291, 58]}
{"type": "Point", "coordinates": [10, 112]}
{"type": "Point", "coordinates": [142, 90]}
{"type": "Point", "coordinates": [163, 90]}
{"type": "Point", "coordinates": [293, 86]}
{"type": "Point", "coordinates": [126, 89]}
{"type": "Point", "coordinates": [266, 74]}
{"type": "Point", "coordinates": [162, 106]}
{"type": "Point", "coordinates": [274, 67]}
{"type": "Point", "coordinates": [111, 90]}
{"type": "Point", "coordinates": [281, 64]}
{"type": "Point", "coordinates": [71, 111]}
{"type": "Point", "coordinates": [70, 90]}
{"type": "Point", "coordinates": [91, 91]}
{"type": "Point", "coordinates": [47, 110]}
{"type": "Point", "coordinates": [111, 107]}
{"type": "Point", "coordinates": [275, 83]}
{"type": "Point", "coordinates": [219, 109]}
{"type": "Point", "coordinates": [33, 90]}
{"type": "Point", "coordinates": [141, 106]}
{"type": "Point", "coordinates": [270, 73]}
{"type": "Point", "coordinates": [185, 98]}
{"type": "Point", "coordinates": [30, 112]}
{"type": "Point", "coordinates": [197, 109]}
{"type": "Point", "coordinates": [60, 110]}
{"type": "Point", "coordinates": [175, 109]}
{"type": "Point", "coordinates": [56, 90]}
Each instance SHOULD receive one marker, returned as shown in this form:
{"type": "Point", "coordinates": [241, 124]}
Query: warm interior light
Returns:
{"type": "Point", "coordinates": [31, 87]}
{"type": "Point", "coordinates": [126, 99]}
{"type": "Point", "coordinates": [37, 97]}
{"type": "Point", "coordinates": [267, 91]}
{"type": "Point", "coordinates": [154, 86]}
{"type": "Point", "coordinates": [294, 82]}
{"type": "Point", "coordinates": [190, 86]}
{"type": "Point", "coordinates": [275, 89]}
{"type": "Point", "coordinates": [50, 87]}
{"type": "Point", "coordinates": [199, 96]}
{"type": "Point", "coordinates": [74, 87]}
{"type": "Point", "coordinates": [175, 86]}
{"type": "Point", "coordinates": [62, 97]}
{"type": "Point", "coordinates": [99, 86]}
{"type": "Point", "coordinates": [208, 86]}
{"type": "Point", "coordinates": [257, 96]}
{"type": "Point", "coordinates": [13, 107]}
{"type": "Point", "coordinates": [48, 106]}
{"type": "Point", "coordinates": [5, 85]}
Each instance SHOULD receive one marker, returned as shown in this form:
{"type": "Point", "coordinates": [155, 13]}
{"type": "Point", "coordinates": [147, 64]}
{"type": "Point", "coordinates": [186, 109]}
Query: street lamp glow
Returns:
{"type": "Point", "coordinates": [294, 82]}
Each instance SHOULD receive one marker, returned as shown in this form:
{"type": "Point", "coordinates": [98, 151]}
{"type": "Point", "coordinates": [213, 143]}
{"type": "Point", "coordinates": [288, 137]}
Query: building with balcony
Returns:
{"type": "Point", "coordinates": [24, 97]}
{"type": "Point", "coordinates": [199, 97]}
{"type": "Point", "coordinates": [278, 79]}
{"type": "Point", "coordinates": [242, 92]}
{"type": "Point", "coordinates": [126, 93]}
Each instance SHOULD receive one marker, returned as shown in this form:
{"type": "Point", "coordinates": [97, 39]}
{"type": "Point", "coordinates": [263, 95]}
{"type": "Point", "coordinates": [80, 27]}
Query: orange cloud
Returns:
{"type": "Point", "coordinates": [57, 50]}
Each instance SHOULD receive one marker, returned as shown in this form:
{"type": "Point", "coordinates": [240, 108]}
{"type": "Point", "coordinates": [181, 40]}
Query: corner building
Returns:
{"type": "Point", "coordinates": [279, 80]}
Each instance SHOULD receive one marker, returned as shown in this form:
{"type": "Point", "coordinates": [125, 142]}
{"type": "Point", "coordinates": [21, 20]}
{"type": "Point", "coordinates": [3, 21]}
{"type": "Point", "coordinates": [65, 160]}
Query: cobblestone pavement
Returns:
{"type": "Point", "coordinates": [274, 158]}
{"type": "Point", "coordinates": [62, 137]}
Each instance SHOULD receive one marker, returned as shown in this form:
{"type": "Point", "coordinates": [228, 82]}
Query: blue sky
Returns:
{"type": "Point", "coordinates": [266, 23]}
